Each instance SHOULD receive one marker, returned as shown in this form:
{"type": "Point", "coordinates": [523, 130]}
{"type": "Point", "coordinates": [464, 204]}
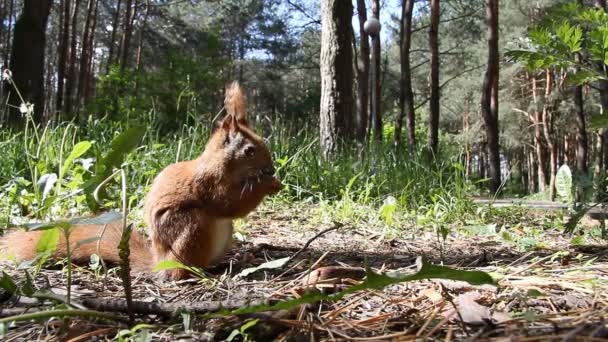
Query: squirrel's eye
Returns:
{"type": "Point", "coordinates": [250, 151]}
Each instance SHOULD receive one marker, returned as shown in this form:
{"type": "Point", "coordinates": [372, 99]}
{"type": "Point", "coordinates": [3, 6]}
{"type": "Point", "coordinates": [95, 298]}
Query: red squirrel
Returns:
{"type": "Point", "coordinates": [190, 207]}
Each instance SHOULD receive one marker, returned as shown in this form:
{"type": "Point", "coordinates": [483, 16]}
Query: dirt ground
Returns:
{"type": "Point", "coordinates": [557, 292]}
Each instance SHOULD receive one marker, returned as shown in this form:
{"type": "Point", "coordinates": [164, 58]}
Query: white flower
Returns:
{"type": "Point", "coordinates": [26, 108]}
{"type": "Point", "coordinates": [6, 75]}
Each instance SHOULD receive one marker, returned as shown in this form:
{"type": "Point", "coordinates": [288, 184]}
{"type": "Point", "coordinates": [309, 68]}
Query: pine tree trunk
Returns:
{"type": "Point", "coordinates": [115, 20]}
{"type": "Point", "coordinates": [140, 43]}
{"type": "Point", "coordinates": [567, 157]}
{"type": "Point", "coordinates": [547, 123]}
{"type": "Point", "coordinates": [27, 58]}
{"type": "Point", "coordinates": [537, 121]}
{"type": "Point", "coordinates": [88, 86]}
{"type": "Point", "coordinates": [362, 75]}
{"type": "Point", "coordinates": [465, 129]}
{"type": "Point", "coordinates": [72, 70]}
{"type": "Point", "coordinates": [377, 87]}
{"type": "Point", "coordinates": [336, 74]}
{"type": "Point", "coordinates": [125, 45]}
{"type": "Point", "coordinates": [406, 95]}
{"type": "Point", "coordinates": [581, 131]}
{"type": "Point", "coordinates": [63, 52]}
{"type": "Point", "coordinates": [482, 159]}
{"type": "Point", "coordinates": [7, 44]}
{"type": "Point", "coordinates": [84, 54]}
{"type": "Point", "coordinates": [433, 142]}
{"type": "Point", "coordinates": [489, 100]}
{"type": "Point", "coordinates": [532, 172]}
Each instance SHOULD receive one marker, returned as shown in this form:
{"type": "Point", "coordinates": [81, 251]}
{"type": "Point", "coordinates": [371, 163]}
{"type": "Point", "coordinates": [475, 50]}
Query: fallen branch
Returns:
{"type": "Point", "coordinates": [60, 313]}
{"type": "Point", "coordinates": [163, 309]}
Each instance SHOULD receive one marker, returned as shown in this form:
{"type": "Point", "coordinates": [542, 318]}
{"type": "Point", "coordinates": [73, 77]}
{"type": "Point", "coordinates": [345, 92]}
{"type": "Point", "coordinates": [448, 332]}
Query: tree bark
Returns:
{"type": "Point", "coordinates": [433, 142]}
{"type": "Point", "coordinates": [581, 131]}
{"type": "Point", "coordinates": [532, 172]}
{"type": "Point", "coordinates": [126, 34]}
{"type": "Point", "coordinates": [536, 118]}
{"type": "Point", "coordinates": [406, 95]}
{"type": "Point", "coordinates": [27, 58]}
{"type": "Point", "coordinates": [336, 74]}
{"type": "Point", "coordinates": [377, 88]}
{"type": "Point", "coordinates": [87, 45]}
{"type": "Point", "coordinates": [489, 100]}
{"type": "Point", "coordinates": [140, 43]}
{"type": "Point", "coordinates": [466, 123]}
{"type": "Point", "coordinates": [362, 75]}
{"type": "Point", "coordinates": [7, 45]}
{"type": "Point", "coordinates": [63, 52]}
{"type": "Point", "coordinates": [547, 123]}
{"type": "Point", "coordinates": [88, 87]}
{"type": "Point", "coordinates": [72, 70]}
{"type": "Point", "coordinates": [115, 21]}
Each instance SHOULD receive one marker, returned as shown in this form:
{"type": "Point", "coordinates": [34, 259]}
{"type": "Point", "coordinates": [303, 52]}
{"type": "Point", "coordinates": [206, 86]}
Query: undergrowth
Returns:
{"type": "Point", "coordinates": [382, 179]}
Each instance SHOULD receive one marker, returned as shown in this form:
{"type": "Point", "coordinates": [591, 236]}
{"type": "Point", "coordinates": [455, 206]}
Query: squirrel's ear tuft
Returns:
{"type": "Point", "coordinates": [234, 102]}
{"type": "Point", "coordinates": [229, 123]}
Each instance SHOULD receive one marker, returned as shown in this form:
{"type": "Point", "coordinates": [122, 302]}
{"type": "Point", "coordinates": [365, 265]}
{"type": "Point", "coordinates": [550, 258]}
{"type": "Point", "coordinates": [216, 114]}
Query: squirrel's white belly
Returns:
{"type": "Point", "coordinates": [223, 237]}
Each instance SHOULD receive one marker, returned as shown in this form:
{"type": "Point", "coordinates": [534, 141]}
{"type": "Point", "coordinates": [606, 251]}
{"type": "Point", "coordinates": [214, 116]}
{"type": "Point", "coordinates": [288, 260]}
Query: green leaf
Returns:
{"type": "Point", "coordinates": [105, 218]}
{"type": "Point", "coordinates": [534, 293]}
{"type": "Point", "coordinates": [248, 325]}
{"type": "Point", "coordinates": [539, 36]}
{"type": "Point", "coordinates": [582, 77]}
{"type": "Point", "coordinates": [78, 150]}
{"type": "Point", "coordinates": [119, 148]}
{"type": "Point", "coordinates": [372, 281]}
{"type": "Point", "coordinates": [169, 265]}
{"type": "Point", "coordinates": [7, 283]}
{"type": "Point", "coordinates": [563, 183]}
{"type": "Point", "coordinates": [47, 225]}
{"type": "Point", "coordinates": [273, 264]}
{"type": "Point", "coordinates": [48, 241]}
{"type": "Point", "coordinates": [577, 241]}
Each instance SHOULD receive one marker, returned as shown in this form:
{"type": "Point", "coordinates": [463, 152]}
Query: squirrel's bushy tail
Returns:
{"type": "Point", "coordinates": [84, 241]}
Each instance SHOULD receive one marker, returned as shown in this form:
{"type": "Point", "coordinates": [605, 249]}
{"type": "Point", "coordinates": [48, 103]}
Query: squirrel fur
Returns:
{"type": "Point", "coordinates": [190, 207]}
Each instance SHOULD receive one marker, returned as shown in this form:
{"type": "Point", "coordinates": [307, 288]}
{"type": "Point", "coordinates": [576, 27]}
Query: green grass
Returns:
{"type": "Point", "coordinates": [348, 183]}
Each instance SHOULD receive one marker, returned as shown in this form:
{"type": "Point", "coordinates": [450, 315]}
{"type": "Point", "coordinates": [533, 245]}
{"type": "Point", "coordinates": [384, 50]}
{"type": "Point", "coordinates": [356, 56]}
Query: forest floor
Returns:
{"type": "Point", "coordinates": [554, 291]}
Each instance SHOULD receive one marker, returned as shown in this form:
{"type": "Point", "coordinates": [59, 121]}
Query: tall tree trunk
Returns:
{"type": "Point", "coordinates": [362, 75]}
{"type": "Point", "coordinates": [27, 58]}
{"type": "Point", "coordinates": [63, 52]}
{"type": "Point", "coordinates": [602, 134]}
{"type": "Point", "coordinates": [84, 54]}
{"type": "Point", "coordinates": [536, 118]}
{"type": "Point", "coordinates": [377, 88]}
{"type": "Point", "coordinates": [406, 95]}
{"type": "Point", "coordinates": [489, 100]}
{"type": "Point", "coordinates": [126, 34]}
{"type": "Point", "coordinates": [140, 43]}
{"type": "Point", "coordinates": [567, 156]}
{"type": "Point", "coordinates": [433, 146]}
{"type": "Point", "coordinates": [466, 123]}
{"type": "Point", "coordinates": [581, 130]}
{"type": "Point", "coordinates": [532, 172]}
{"type": "Point", "coordinates": [7, 44]}
{"type": "Point", "coordinates": [88, 87]}
{"type": "Point", "coordinates": [72, 70]}
{"type": "Point", "coordinates": [115, 20]}
{"type": "Point", "coordinates": [547, 117]}
{"type": "Point", "coordinates": [336, 74]}
{"type": "Point", "coordinates": [483, 151]}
